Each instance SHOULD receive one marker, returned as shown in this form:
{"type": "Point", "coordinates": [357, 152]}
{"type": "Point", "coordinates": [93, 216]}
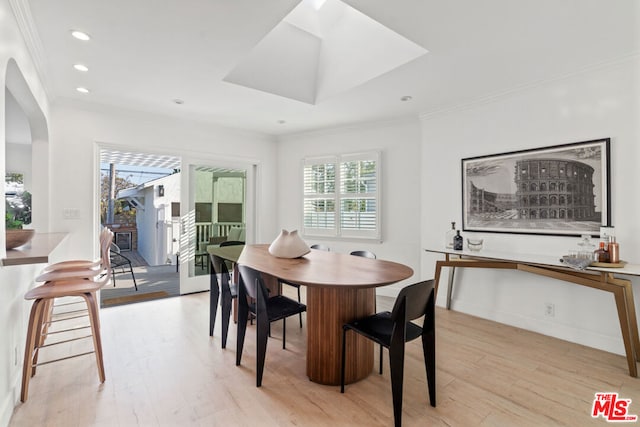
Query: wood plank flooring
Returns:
{"type": "Point", "coordinates": [163, 369]}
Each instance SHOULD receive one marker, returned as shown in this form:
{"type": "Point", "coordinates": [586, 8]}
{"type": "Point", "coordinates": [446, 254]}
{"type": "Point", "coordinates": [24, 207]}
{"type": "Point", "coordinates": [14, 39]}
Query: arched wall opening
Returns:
{"type": "Point", "coordinates": [26, 145]}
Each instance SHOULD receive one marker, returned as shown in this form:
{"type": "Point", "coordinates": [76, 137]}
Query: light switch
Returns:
{"type": "Point", "coordinates": [71, 213]}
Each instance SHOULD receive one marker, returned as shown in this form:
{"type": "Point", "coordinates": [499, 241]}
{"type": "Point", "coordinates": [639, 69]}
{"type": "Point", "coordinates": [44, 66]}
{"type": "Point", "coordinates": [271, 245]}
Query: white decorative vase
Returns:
{"type": "Point", "coordinates": [288, 245]}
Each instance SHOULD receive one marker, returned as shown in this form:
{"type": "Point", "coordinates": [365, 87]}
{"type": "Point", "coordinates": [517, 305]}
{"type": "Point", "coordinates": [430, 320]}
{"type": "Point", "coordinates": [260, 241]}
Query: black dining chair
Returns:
{"type": "Point", "coordinates": [223, 286]}
{"type": "Point", "coordinates": [370, 255]}
{"type": "Point", "coordinates": [393, 329]}
{"type": "Point", "coordinates": [320, 247]}
{"type": "Point", "coordinates": [266, 310]}
{"type": "Point", "coordinates": [231, 243]}
{"type": "Point", "coordinates": [365, 254]}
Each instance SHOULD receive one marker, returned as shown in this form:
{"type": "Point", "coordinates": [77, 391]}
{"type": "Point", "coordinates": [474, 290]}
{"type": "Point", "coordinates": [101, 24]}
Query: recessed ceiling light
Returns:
{"type": "Point", "coordinates": [82, 89]}
{"type": "Point", "coordinates": [406, 98]}
{"type": "Point", "coordinates": [178, 101]}
{"type": "Point", "coordinates": [81, 67]}
{"type": "Point", "coordinates": [80, 35]}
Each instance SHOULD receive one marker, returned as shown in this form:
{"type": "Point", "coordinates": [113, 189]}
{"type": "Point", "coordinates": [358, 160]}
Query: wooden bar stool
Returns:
{"type": "Point", "coordinates": [83, 285]}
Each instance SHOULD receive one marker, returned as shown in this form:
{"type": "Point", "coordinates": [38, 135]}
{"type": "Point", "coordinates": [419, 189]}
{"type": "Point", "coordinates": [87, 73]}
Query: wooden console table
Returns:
{"type": "Point", "coordinates": [604, 279]}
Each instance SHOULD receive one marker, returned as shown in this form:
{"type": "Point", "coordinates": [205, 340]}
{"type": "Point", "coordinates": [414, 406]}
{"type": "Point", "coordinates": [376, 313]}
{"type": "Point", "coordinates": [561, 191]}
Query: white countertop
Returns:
{"type": "Point", "coordinates": [35, 252]}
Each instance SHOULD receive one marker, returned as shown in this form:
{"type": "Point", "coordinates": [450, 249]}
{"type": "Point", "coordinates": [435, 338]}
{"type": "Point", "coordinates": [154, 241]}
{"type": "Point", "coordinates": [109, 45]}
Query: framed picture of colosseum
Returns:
{"type": "Point", "coordinates": [559, 190]}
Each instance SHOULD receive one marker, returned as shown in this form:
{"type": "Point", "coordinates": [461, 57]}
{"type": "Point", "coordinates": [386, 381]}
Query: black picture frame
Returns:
{"type": "Point", "coordinates": [556, 190]}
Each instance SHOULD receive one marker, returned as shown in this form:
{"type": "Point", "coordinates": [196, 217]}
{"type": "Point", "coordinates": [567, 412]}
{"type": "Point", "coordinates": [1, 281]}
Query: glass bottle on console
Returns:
{"type": "Point", "coordinates": [457, 241]}
{"type": "Point", "coordinates": [601, 254]}
{"type": "Point", "coordinates": [449, 235]}
{"type": "Point", "coordinates": [614, 250]}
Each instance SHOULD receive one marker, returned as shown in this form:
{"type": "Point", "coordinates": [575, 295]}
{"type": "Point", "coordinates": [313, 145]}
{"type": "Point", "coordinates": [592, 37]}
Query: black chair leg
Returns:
{"type": "Point", "coordinates": [429, 349]}
{"type": "Point", "coordinates": [243, 314]}
{"type": "Point", "coordinates": [262, 335]}
{"type": "Point", "coordinates": [226, 316]}
{"type": "Point", "coordinates": [396, 362]}
{"type": "Point", "coordinates": [380, 360]}
{"type": "Point", "coordinates": [284, 332]}
{"type": "Point", "coordinates": [133, 277]}
{"type": "Point", "coordinates": [214, 294]}
{"type": "Point", "coordinates": [300, 300]}
{"type": "Point", "coordinates": [344, 353]}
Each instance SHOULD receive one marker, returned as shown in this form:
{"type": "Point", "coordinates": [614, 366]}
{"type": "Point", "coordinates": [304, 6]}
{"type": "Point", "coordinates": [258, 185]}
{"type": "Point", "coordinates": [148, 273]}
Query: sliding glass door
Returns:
{"type": "Point", "coordinates": [216, 205]}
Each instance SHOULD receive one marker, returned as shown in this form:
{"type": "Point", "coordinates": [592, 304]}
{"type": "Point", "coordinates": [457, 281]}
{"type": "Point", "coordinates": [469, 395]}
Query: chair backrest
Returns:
{"type": "Point", "coordinates": [320, 247]}
{"type": "Point", "coordinates": [415, 299]}
{"type": "Point", "coordinates": [237, 233]}
{"type": "Point", "coordinates": [365, 254]}
{"type": "Point", "coordinates": [252, 282]}
{"type": "Point", "coordinates": [231, 243]}
{"type": "Point", "coordinates": [106, 238]}
{"type": "Point", "coordinates": [220, 267]}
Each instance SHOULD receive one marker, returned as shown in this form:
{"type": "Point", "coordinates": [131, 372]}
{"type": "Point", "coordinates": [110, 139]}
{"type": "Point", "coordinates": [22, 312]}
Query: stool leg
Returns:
{"type": "Point", "coordinates": [92, 306]}
{"type": "Point", "coordinates": [45, 321]}
{"type": "Point", "coordinates": [41, 327]}
{"type": "Point", "coordinates": [27, 365]}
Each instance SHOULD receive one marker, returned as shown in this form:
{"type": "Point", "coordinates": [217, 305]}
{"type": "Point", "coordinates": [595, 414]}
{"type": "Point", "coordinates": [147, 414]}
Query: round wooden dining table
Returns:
{"type": "Point", "coordinates": [340, 289]}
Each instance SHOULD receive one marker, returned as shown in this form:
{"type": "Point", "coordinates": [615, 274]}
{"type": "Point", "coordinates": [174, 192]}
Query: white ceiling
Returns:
{"type": "Point", "coordinates": [145, 53]}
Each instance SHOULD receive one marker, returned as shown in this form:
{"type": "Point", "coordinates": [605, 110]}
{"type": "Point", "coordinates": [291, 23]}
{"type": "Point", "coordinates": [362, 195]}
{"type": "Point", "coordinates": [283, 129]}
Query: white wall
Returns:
{"type": "Point", "coordinates": [150, 247]}
{"type": "Point", "coordinates": [594, 104]}
{"type": "Point", "coordinates": [78, 128]}
{"type": "Point", "coordinates": [399, 143]}
{"type": "Point", "coordinates": [146, 224]}
{"type": "Point", "coordinates": [14, 281]}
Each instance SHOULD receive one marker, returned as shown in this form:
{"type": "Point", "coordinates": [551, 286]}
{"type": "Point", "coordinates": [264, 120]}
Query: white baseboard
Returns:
{"type": "Point", "coordinates": [612, 344]}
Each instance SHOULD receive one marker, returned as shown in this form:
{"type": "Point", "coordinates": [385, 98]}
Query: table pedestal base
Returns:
{"type": "Point", "coordinates": [327, 310]}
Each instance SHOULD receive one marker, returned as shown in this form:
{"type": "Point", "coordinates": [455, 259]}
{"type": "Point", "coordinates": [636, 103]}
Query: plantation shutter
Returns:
{"type": "Point", "coordinates": [319, 210]}
{"type": "Point", "coordinates": [342, 196]}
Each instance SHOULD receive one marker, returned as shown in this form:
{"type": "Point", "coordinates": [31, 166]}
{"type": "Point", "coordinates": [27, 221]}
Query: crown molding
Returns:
{"type": "Point", "coordinates": [24, 19]}
{"type": "Point", "coordinates": [497, 96]}
{"type": "Point", "coordinates": [352, 126]}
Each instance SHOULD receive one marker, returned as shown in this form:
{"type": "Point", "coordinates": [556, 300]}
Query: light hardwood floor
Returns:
{"type": "Point", "coordinates": [163, 369]}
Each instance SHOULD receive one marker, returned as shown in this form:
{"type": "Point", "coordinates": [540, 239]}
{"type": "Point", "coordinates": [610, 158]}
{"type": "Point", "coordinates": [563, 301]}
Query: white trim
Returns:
{"type": "Point", "coordinates": [24, 19]}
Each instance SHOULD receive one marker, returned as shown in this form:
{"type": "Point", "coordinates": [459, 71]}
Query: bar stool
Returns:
{"type": "Point", "coordinates": [76, 264]}
{"type": "Point", "coordinates": [84, 284]}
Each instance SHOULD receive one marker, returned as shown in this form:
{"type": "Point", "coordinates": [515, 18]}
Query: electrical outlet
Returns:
{"type": "Point", "coordinates": [549, 309]}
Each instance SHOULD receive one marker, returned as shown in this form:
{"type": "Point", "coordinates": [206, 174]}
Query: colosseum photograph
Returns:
{"type": "Point", "coordinates": [560, 190]}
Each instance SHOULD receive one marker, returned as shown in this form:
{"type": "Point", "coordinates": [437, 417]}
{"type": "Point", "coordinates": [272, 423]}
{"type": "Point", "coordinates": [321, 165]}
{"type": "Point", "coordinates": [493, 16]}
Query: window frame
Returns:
{"type": "Point", "coordinates": [335, 228]}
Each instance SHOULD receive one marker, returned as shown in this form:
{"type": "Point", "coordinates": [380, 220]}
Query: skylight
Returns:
{"type": "Point", "coordinates": [321, 49]}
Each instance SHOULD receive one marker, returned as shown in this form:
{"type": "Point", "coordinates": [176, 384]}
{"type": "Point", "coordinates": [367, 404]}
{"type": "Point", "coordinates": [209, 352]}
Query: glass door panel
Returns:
{"type": "Point", "coordinates": [216, 210]}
